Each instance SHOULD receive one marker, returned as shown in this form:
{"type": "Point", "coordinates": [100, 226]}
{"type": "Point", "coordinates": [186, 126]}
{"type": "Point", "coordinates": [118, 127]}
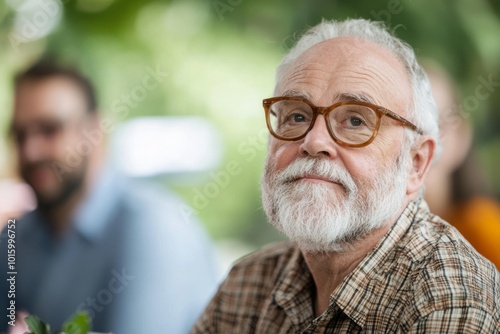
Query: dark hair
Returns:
{"type": "Point", "coordinates": [46, 68]}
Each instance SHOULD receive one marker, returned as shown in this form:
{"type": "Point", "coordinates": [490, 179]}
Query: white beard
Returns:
{"type": "Point", "coordinates": [320, 218]}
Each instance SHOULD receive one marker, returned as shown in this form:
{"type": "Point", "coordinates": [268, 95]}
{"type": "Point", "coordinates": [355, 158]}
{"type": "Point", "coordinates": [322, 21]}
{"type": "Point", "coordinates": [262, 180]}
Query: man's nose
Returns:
{"type": "Point", "coordinates": [318, 140]}
{"type": "Point", "coordinates": [33, 148]}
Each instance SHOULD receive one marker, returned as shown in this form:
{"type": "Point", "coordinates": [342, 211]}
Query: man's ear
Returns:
{"type": "Point", "coordinates": [422, 155]}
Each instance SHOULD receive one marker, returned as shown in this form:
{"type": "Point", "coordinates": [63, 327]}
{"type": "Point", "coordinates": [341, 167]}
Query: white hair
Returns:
{"type": "Point", "coordinates": [424, 111]}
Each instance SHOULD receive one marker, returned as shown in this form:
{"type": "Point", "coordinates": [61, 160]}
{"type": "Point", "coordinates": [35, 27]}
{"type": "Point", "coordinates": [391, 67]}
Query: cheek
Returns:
{"type": "Point", "coordinates": [283, 153]}
{"type": "Point", "coordinates": [67, 145]}
{"type": "Point", "coordinates": [367, 165]}
{"type": "Point", "coordinates": [387, 146]}
{"type": "Point", "coordinates": [60, 145]}
{"type": "Point", "coordinates": [361, 169]}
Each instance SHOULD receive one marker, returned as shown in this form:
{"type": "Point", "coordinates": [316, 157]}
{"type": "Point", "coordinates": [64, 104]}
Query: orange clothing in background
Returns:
{"type": "Point", "coordinates": [479, 222]}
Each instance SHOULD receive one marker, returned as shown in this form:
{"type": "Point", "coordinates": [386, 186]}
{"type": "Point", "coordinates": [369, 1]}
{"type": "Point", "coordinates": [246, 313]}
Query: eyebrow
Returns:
{"type": "Point", "coordinates": [297, 93]}
{"type": "Point", "coordinates": [353, 97]}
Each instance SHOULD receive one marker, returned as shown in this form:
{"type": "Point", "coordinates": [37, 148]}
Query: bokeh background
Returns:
{"type": "Point", "coordinates": [219, 58]}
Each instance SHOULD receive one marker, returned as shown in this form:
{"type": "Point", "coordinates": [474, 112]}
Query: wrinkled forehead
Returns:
{"type": "Point", "coordinates": [349, 65]}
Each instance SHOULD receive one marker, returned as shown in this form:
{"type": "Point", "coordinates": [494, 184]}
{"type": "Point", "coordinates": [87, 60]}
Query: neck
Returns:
{"type": "Point", "coordinates": [60, 216]}
{"type": "Point", "coordinates": [330, 269]}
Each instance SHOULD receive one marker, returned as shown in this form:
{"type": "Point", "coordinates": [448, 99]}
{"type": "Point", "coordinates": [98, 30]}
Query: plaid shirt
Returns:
{"type": "Point", "coordinates": [423, 277]}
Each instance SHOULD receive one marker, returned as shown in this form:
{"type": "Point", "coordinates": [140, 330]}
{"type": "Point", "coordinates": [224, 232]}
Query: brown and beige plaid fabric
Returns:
{"type": "Point", "coordinates": [423, 277]}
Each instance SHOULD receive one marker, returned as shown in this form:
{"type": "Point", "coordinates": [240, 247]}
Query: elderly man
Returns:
{"type": "Point", "coordinates": [354, 131]}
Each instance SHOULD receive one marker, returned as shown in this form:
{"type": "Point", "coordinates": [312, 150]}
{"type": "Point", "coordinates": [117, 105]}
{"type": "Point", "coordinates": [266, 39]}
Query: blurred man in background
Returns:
{"type": "Point", "coordinates": [456, 188]}
{"type": "Point", "coordinates": [97, 242]}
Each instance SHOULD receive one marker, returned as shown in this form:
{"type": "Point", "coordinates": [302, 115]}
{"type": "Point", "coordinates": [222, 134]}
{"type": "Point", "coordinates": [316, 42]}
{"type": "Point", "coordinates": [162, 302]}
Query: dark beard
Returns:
{"type": "Point", "coordinates": [71, 184]}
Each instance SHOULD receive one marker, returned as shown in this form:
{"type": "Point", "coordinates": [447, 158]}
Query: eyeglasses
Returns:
{"type": "Point", "coordinates": [351, 124]}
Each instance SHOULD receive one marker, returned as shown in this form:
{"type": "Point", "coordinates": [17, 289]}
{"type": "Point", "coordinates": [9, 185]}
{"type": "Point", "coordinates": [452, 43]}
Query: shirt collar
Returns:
{"type": "Point", "coordinates": [350, 296]}
{"type": "Point", "coordinates": [293, 290]}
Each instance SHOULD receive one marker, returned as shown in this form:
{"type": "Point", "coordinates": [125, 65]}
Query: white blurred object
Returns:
{"type": "Point", "coordinates": [34, 19]}
{"type": "Point", "coordinates": [154, 146]}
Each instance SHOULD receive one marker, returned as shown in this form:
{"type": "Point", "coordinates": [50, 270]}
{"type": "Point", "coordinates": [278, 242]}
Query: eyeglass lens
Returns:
{"type": "Point", "coordinates": [351, 123]}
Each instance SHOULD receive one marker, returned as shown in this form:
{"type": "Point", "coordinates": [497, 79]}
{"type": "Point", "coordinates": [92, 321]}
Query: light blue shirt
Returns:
{"type": "Point", "coordinates": [131, 258]}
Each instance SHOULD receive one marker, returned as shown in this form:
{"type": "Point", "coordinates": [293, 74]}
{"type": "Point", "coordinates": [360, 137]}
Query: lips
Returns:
{"type": "Point", "coordinates": [317, 177]}
{"type": "Point", "coordinates": [40, 176]}
{"type": "Point", "coordinates": [314, 177]}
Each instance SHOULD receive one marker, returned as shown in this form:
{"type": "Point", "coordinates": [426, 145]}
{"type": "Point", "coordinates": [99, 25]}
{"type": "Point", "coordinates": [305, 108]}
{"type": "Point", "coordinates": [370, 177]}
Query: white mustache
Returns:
{"type": "Point", "coordinates": [317, 167]}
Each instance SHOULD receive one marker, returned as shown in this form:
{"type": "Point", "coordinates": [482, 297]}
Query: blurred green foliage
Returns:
{"type": "Point", "coordinates": [220, 57]}
{"type": "Point", "coordinates": [80, 323]}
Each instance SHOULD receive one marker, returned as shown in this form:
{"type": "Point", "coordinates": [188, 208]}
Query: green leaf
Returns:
{"type": "Point", "coordinates": [79, 324]}
{"type": "Point", "coordinates": [37, 326]}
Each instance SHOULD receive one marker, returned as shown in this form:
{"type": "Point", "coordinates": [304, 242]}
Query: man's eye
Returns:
{"type": "Point", "coordinates": [50, 130]}
{"type": "Point", "coordinates": [354, 121]}
{"type": "Point", "coordinates": [294, 118]}
{"type": "Point", "coordinates": [298, 118]}
{"type": "Point", "coordinates": [19, 136]}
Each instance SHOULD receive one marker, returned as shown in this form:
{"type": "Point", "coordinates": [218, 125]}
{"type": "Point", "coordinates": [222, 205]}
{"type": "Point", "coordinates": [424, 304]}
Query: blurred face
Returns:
{"type": "Point", "coordinates": [456, 140]}
{"type": "Point", "coordinates": [325, 196]}
{"type": "Point", "coordinates": [49, 117]}
{"type": "Point", "coordinates": [454, 130]}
